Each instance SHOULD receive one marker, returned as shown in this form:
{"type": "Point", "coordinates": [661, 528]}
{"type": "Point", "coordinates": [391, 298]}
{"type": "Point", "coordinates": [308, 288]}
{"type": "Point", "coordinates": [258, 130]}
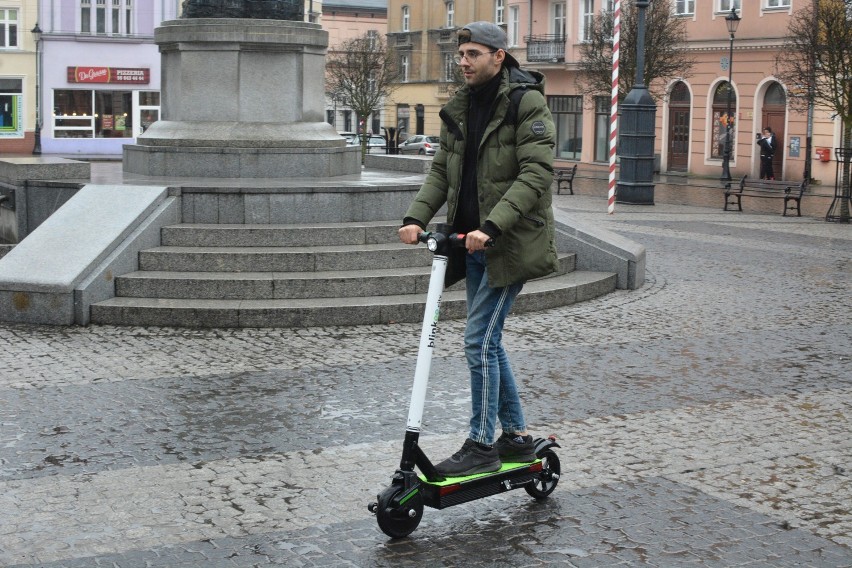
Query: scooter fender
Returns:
{"type": "Point", "coordinates": [543, 444]}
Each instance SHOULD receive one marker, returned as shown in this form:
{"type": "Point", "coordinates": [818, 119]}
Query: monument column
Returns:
{"type": "Point", "coordinates": [241, 98]}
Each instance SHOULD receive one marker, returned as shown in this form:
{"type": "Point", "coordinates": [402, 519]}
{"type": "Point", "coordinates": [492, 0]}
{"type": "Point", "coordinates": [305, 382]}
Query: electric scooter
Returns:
{"type": "Point", "coordinates": [399, 507]}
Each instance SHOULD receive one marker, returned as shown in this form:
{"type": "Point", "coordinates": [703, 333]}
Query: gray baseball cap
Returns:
{"type": "Point", "coordinates": [488, 34]}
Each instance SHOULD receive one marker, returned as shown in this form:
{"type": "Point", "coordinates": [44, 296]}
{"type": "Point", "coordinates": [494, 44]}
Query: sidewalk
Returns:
{"type": "Point", "coordinates": [705, 420]}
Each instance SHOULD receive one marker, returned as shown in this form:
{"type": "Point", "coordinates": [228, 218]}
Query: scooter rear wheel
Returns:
{"type": "Point", "coordinates": [398, 522]}
{"type": "Point", "coordinates": [546, 482]}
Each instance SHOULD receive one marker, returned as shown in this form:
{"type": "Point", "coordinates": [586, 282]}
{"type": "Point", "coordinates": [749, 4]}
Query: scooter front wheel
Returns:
{"type": "Point", "coordinates": [544, 485]}
{"type": "Point", "coordinates": [401, 520]}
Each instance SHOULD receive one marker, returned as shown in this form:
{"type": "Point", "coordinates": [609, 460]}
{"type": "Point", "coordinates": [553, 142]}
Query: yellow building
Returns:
{"type": "Point", "coordinates": [423, 36]}
{"type": "Point", "coordinates": [17, 76]}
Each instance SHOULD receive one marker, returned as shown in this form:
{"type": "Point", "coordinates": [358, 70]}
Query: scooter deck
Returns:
{"type": "Point", "coordinates": [458, 490]}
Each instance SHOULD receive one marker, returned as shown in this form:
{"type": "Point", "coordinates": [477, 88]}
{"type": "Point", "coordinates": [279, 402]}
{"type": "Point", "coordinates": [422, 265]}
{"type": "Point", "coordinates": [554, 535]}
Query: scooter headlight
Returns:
{"type": "Point", "coordinates": [432, 244]}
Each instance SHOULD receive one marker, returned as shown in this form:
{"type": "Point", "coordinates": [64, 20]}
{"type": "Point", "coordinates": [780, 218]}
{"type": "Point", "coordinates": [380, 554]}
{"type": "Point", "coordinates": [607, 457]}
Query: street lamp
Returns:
{"type": "Point", "coordinates": [36, 31]}
{"type": "Point", "coordinates": [636, 139]}
{"type": "Point", "coordinates": [732, 20]}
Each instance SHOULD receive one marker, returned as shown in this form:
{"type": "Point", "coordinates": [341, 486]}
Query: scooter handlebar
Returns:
{"type": "Point", "coordinates": [456, 239]}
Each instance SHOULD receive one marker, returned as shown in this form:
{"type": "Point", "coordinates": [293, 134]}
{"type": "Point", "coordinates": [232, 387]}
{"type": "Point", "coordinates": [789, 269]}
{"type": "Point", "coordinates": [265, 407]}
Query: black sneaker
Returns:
{"type": "Point", "coordinates": [513, 451]}
{"type": "Point", "coordinates": [470, 459]}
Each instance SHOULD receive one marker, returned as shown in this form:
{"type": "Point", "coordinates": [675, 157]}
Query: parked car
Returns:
{"type": "Point", "coordinates": [373, 141]}
{"type": "Point", "coordinates": [420, 144]}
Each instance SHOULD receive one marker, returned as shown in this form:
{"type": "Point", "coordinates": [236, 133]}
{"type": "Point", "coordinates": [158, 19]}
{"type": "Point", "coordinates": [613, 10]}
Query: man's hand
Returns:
{"type": "Point", "coordinates": [475, 240]}
{"type": "Point", "coordinates": [409, 233]}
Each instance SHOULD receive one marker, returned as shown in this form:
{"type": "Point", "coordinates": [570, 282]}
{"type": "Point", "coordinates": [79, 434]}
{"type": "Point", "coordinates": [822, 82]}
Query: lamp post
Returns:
{"type": "Point", "coordinates": [732, 20]}
{"type": "Point", "coordinates": [36, 31]}
{"type": "Point", "coordinates": [636, 139]}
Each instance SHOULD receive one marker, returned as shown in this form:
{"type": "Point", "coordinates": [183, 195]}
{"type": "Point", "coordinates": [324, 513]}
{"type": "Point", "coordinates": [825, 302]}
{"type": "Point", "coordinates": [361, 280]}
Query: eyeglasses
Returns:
{"type": "Point", "coordinates": [471, 55]}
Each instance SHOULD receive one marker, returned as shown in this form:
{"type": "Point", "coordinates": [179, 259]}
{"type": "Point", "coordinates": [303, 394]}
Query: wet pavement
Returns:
{"type": "Point", "coordinates": [705, 420]}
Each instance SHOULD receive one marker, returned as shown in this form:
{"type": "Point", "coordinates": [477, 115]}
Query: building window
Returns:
{"type": "Point", "coordinates": [728, 5]}
{"type": "Point", "coordinates": [116, 17]}
{"type": "Point", "coordinates": [9, 27]}
{"type": "Point", "coordinates": [775, 96]}
{"type": "Point", "coordinates": [451, 14]}
{"type": "Point", "coordinates": [720, 120]}
{"type": "Point", "coordinates": [86, 16]}
{"type": "Point", "coordinates": [100, 16]}
{"type": "Point", "coordinates": [602, 112]}
{"type": "Point", "coordinates": [112, 17]}
{"type": "Point", "coordinates": [449, 68]}
{"type": "Point", "coordinates": [685, 7]}
{"type": "Point", "coordinates": [403, 119]}
{"type": "Point", "coordinates": [588, 20]}
{"type": "Point", "coordinates": [406, 19]}
{"type": "Point", "coordinates": [777, 3]}
{"type": "Point", "coordinates": [372, 38]}
{"type": "Point", "coordinates": [347, 121]}
{"type": "Point", "coordinates": [92, 114]}
{"type": "Point", "coordinates": [558, 19]}
{"type": "Point", "coordinates": [403, 68]}
{"type": "Point", "coordinates": [513, 28]}
{"type": "Point", "coordinates": [567, 113]}
{"type": "Point", "coordinates": [499, 12]}
{"type": "Point", "coordinates": [11, 102]}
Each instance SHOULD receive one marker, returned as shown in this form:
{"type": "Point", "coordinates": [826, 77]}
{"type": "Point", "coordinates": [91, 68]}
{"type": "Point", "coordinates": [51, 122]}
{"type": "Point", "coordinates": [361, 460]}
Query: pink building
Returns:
{"type": "Point", "coordinates": [349, 19]}
{"type": "Point", "coordinates": [548, 35]}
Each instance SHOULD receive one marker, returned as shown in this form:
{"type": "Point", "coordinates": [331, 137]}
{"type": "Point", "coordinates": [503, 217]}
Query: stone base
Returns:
{"type": "Point", "coordinates": [16, 170]}
{"type": "Point", "coordinates": [241, 98]}
{"type": "Point", "coordinates": [223, 162]}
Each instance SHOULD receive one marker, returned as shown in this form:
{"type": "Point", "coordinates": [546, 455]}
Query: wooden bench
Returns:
{"type": "Point", "coordinates": [565, 178]}
{"type": "Point", "coordinates": [790, 191]}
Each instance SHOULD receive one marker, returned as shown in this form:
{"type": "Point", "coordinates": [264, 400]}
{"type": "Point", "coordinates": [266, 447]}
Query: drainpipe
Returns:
{"type": "Point", "coordinates": [529, 31]}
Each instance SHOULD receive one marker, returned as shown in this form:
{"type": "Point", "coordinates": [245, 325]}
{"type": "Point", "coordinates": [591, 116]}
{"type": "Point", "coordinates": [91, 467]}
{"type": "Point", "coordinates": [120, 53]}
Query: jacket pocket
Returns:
{"type": "Point", "coordinates": [538, 222]}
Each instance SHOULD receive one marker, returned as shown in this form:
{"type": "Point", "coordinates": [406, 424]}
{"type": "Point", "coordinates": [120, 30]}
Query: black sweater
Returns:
{"type": "Point", "coordinates": [479, 113]}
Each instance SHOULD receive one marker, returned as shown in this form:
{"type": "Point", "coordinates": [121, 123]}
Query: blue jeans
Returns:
{"type": "Point", "coordinates": [492, 383]}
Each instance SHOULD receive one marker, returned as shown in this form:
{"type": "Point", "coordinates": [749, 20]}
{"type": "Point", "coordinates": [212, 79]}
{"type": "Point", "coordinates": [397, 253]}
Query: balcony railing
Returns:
{"type": "Point", "coordinates": [447, 36]}
{"type": "Point", "coordinates": [403, 40]}
{"type": "Point", "coordinates": [545, 48]}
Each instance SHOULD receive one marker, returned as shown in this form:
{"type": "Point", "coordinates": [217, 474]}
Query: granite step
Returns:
{"type": "Point", "coordinates": [310, 312]}
{"type": "Point", "coordinates": [282, 259]}
{"type": "Point", "coordinates": [284, 285]}
{"type": "Point", "coordinates": [278, 235]}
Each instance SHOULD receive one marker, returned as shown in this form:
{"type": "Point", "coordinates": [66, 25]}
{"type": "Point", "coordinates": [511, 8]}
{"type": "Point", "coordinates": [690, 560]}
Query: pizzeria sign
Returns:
{"type": "Point", "coordinates": [127, 76]}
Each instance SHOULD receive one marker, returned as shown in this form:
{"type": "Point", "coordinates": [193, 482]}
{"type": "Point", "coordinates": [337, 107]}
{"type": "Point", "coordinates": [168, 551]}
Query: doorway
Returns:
{"type": "Point", "coordinates": [774, 116]}
{"type": "Point", "coordinates": [679, 106]}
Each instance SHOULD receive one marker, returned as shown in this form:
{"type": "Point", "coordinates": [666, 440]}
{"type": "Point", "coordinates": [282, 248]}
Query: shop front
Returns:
{"type": "Point", "coordinates": [96, 109]}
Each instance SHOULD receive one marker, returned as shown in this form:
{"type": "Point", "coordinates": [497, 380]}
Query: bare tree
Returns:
{"type": "Point", "coordinates": [816, 63]}
{"type": "Point", "coordinates": [361, 73]}
{"type": "Point", "coordinates": [665, 56]}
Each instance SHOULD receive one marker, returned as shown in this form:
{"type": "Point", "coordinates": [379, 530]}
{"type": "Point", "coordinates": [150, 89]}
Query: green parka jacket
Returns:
{"type": "Point", "coordinates": [514, 174]}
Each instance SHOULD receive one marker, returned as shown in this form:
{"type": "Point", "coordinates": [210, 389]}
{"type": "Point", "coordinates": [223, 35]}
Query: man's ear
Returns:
{"type": "Point", "coordinates": [500, 56]}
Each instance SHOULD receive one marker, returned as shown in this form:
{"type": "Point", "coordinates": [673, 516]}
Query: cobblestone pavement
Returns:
{"type": "Point", "coordinates": [704, 420]}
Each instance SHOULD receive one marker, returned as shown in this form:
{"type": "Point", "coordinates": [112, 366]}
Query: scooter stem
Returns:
{"type": "Point", "coordinates": [428, 333]}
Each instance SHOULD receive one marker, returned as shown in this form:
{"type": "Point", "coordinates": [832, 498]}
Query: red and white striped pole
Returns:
{"type": "Point", "coordinates": [613, 120]}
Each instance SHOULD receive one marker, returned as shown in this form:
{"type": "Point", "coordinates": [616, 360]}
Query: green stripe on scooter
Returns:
{"type": "Point", "coordinates": [506, 467]}
{"type": "Point", "coordinates": [409, 496]}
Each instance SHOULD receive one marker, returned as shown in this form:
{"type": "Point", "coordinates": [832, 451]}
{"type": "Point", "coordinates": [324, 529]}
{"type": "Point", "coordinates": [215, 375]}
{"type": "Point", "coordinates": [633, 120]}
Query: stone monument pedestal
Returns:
{"type": "Point", "coordinates": [241, 98]}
